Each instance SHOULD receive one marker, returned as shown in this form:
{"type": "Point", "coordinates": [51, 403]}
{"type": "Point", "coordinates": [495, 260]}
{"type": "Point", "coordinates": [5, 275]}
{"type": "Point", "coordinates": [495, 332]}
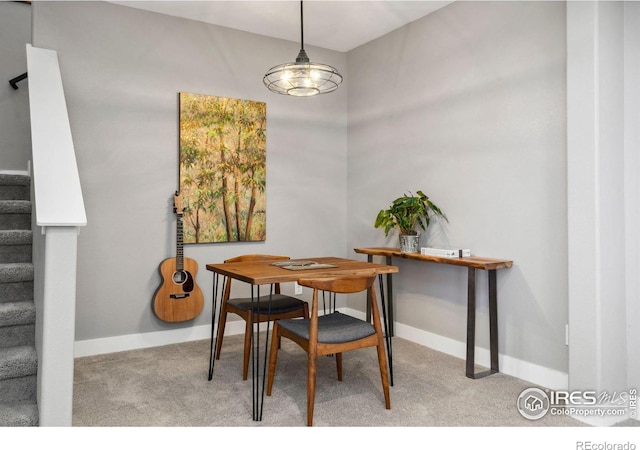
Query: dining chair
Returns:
{"type": "Point", "coordinates": [333, 333]}
{"type": "Point", "coordinates": [282, 307]}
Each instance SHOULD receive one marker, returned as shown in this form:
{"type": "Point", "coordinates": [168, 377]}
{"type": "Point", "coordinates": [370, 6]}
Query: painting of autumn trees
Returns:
{"type": "Point", "coordinates": [222, 168]}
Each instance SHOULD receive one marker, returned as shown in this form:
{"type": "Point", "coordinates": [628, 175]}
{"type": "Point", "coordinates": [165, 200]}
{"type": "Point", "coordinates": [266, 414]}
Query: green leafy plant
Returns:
{"type": "Point", "coordinates": [408, 212]}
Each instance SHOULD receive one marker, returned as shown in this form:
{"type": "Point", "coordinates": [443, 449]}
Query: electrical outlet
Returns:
{"type": "Point", "coordinates": [298, 288]}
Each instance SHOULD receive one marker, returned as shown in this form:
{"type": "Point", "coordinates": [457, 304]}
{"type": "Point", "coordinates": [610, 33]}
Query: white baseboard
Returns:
{"type": "Point", "coordinates": [536, 374]}
{"type": "Point", "coordinates": [533, 373]}
{"type": "Point", "coordinates": [114, 344]}
{"type": "Point", "coordinates": [524, 370]}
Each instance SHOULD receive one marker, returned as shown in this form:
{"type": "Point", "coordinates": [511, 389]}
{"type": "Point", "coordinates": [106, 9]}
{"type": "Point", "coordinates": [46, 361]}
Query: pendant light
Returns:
{"type": "Point", "coordinates": [302, 78]}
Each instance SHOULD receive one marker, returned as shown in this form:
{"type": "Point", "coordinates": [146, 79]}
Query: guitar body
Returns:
{"type": "Point", "coordinates": [178, 298]}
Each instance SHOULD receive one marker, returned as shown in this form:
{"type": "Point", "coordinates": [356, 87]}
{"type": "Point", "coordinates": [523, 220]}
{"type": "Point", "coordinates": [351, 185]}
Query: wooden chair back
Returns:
{"type": "Point", "coordinates": [251, 258]}
{"type": "Point", "coordinates": [256, 257]}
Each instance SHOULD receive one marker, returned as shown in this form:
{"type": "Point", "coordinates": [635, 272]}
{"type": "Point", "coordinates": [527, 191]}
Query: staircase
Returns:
{"type": "Point", "coordinates": [18, 360]}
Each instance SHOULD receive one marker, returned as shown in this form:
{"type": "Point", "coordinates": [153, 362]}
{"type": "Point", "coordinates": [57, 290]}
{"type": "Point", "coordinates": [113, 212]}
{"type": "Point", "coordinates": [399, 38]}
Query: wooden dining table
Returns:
{"type": "Point", "coordinates": [264, 274]}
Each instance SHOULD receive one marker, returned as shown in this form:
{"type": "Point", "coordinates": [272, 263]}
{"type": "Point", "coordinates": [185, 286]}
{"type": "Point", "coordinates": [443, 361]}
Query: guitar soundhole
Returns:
{"type": "Point", "coordinates": [180, 277]}
{"type": "Point", "coordinates": [185, 279]}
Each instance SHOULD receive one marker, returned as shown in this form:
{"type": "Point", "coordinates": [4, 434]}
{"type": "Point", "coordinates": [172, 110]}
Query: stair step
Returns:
{"type": "Point", "coordinates": [16, 362]}
{"type": "Point", "coordinates": [15, 246]}
{"type": "Point", "coordinates": [22, 389]}
{"type": "Point", "coordinates": [16, 292]}
{"type": "Point", "coordinates": [15, 215]}
{"type": "Point", "coordinates": [13, 179]}
{"type": "Point", "coordinates": [14, 187]}
{"type": "Point", "coordinates": [15, 207]}
{"type": "Point", "coordinates": [15, 254]}
{"type": "Point", "coordinates": [16, 237]}
{"type": "Point", "coordinates": [16, 272]}
{"type": "Point", "coordinates": [17, 335]}
{"type": "Point", "coordinates": [19, 415]}
{"type": "Point", "coordinates": [17, 324]}
{"type": "Point", "coordinates": [14, 193]}
{"type": "Point", "coordinates": [17, 313]}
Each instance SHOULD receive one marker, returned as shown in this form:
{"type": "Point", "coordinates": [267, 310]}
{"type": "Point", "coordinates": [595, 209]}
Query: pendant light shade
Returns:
{"type": "Point", "coordinates": [302, 78]}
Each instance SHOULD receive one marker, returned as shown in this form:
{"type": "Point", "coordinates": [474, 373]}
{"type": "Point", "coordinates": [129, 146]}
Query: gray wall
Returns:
{"type": "Point", "coordinates": [468, 105]}
{"type": "Point", "coordinates": [15, 137]}
{"type": "Point", "coordinates": [122, 70]}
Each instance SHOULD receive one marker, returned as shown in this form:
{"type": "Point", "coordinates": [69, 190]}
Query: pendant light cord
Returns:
{"type": "Point", "coordinates": [301, 29]}
{"type": "Point", "coordinates": [302, 56]}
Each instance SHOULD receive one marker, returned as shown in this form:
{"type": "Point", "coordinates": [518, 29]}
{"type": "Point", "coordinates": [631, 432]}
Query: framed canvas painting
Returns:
{"type": "Point", "coordinates": [222, 168]}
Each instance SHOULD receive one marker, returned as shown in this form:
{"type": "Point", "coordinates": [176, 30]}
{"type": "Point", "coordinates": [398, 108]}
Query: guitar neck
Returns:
{"type": "Point", "coordinates": [179, 245]}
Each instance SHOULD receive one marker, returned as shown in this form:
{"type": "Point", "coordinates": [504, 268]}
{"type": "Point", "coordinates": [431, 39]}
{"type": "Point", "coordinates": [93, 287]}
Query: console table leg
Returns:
{"type": "Point", "coordinates": [471, 322]}
{"type": "Point", "coordinates": [493, 320]}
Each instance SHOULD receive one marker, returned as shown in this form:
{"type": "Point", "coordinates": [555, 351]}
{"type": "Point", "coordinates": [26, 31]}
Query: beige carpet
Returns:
{"type": "Point", "coordinates": [168, 387]}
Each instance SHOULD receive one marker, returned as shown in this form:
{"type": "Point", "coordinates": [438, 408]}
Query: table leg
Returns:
{"type": "Point", "coordinates": [214, 335]}
{"type": "Point", "coordinates": [471, 324]}
{"type": "Point", "coordinates": [257, 394]}
{"type": "Point", "coordinates": [387, 336]}
{"type": "Point", "coordinates": [255, 357]}
{"type": "Point", "coordinates": [390, 299]}
{"type": "Point", "coordinates": [389, 322]}
{"type": "Point", "coordinates": [258, 389]}
{"type": "Point", "coordinates": [368, 316]}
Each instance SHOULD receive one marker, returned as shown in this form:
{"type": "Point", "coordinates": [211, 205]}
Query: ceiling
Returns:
{"type": "Point", "coordinates": [336, 25]}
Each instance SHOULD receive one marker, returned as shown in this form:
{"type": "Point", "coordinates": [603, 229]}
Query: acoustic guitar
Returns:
{"type": "Point", "coordinates": [178, 298]}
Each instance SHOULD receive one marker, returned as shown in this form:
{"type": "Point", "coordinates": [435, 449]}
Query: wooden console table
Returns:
{"type": "Point", "coordinates": [473, 263]}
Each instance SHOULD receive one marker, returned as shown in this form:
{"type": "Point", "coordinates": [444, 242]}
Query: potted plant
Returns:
{"type": "Point", "coordinates": [405, 214]}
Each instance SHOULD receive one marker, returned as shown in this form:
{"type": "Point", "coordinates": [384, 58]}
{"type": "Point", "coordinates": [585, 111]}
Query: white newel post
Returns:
{"type": "Point", "coordinates": [58, 326]}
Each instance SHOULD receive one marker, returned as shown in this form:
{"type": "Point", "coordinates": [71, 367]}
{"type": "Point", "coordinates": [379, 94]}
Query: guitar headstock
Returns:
{"type": "Point", "coordinates": [178, 206]}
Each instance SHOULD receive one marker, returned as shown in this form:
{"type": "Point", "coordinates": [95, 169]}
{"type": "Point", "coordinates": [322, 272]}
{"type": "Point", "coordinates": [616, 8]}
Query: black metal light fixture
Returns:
{"type": "Point", "coordinates": [302, 78]}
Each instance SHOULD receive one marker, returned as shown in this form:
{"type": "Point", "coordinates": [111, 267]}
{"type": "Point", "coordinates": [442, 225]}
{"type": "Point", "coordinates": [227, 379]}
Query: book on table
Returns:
{"type": "Point", "coordinates": [301, 265]}
{"type": "Point", "coordinates": [448, 252]}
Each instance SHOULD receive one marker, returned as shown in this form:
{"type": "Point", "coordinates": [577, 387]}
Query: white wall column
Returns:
{"type": "Point", "coordinates": [596, 197]}
{"type": "Point", "coordinates": [632, 185]}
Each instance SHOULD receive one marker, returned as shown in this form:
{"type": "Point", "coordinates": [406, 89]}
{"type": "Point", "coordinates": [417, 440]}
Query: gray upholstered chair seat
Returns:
{"type": "Point", "coordinates": [332, 328]}
{"type": "Point", "coordinates": [280, 303]}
